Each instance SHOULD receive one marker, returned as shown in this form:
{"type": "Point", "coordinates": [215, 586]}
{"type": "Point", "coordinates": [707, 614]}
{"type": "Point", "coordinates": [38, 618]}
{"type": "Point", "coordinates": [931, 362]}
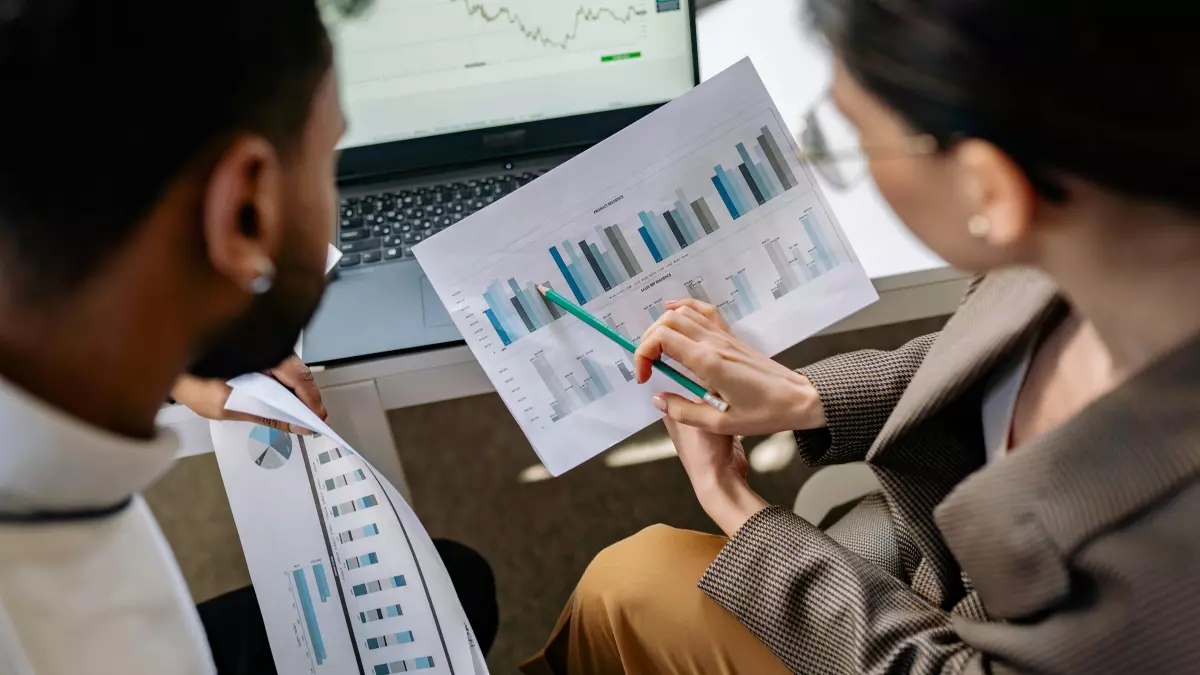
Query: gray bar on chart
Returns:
{"type": "Point", "coordinates": [554, 309]}
{"type": "Point", "coordinates": [776, 157]}
{"type": "Point", "coordinates": [698, 209]}
{"type": "Point", "coordinates": [696, 290]}
{"type": "Point", "coordinates": [538, 303]}
{"type": "Point", "coordinates": [786, 275]}
{"type": "Point", "coordinates": [516, 302]}
{"type": "Point", "coordinates": [551, 381]}
{"type": "Point", "coordinates": [622, 250]}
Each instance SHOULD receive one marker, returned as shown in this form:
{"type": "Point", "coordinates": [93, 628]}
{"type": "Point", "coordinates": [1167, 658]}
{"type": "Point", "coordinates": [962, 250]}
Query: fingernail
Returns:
{"type": "Point", "coordinates": [660, 403]}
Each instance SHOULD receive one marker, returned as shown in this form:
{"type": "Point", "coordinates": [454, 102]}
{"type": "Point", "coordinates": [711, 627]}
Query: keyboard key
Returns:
{"type": "Point", "coordinates": [372, 257]}
{"type": "Point", "coordinates": [354, 235]}
{"type": "Point", "coordinates": [393, 253]}
{"type": "Point", "coordinates": [359, 246]}
{"type": "Point", "coordinates": [350, 223]}
{"type": "Point", "coordinates": [349, 260]}
{"type": "Point", "coordinates": [381, 231]}
{"type": "Point", "coordinates": [394, 240]}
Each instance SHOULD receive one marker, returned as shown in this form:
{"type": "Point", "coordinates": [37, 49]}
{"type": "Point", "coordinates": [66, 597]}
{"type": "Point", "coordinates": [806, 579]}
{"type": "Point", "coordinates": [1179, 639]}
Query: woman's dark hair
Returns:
{"type": "Point", "coordinates": [1106, 91]}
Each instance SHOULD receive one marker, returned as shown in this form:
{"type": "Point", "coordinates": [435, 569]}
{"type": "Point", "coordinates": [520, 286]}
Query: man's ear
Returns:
{"type": "Point", "coordinates": [242, 218]}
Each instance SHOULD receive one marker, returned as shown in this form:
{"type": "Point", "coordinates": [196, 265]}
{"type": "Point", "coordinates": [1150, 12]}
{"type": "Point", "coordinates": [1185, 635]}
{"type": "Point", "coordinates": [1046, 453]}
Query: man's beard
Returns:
{"type": "Point", "coordinates": [266, 333]}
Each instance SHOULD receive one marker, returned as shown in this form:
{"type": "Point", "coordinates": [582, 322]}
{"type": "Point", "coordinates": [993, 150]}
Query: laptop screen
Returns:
{"type": "Point", "coordinates": [416, 68]}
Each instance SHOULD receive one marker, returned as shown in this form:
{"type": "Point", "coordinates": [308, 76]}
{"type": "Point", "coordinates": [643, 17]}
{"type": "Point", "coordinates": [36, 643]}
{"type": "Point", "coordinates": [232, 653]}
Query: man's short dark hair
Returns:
{"type": "Point", "coordinates": [106, 102]}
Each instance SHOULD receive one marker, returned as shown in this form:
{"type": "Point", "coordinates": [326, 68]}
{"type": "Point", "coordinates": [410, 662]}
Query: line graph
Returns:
{"type": "Point", "coordinates": [538, 34]}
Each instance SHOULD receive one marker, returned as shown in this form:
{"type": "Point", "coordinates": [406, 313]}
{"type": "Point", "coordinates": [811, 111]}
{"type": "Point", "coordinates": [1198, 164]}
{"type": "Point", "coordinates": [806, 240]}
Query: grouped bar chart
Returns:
{"type": "Point", "coordinates": [331, 455]}
{"type": "Point", "coordinates": [518, 311]}
{"type": "Point", "coordinates": [754, 183]}
{"type": "Point", "coordinates": [405, 666]}
{"type": "Point", "coordinates": [362, 561]}
{"type": "Point", "coordinates": [358, 533]}
{"type": "Point", "coordinates": [592, 269]}
{"type": "Point", "coordinates": [401, 638]}
{"type": "Point", "coordinates": [741, 302]}
{"type": "Point", "coordinates": [344, 479]}
{"type": "Point", "coordinates": [574, 394]}
{"type": "Point", "coordinates": [354, 505]}
{"type": "Point", "coordinates": [381, 613]}
{"type": "Point", "coordinates": [397, 581]}
{"type": "Point", "coordinates": [680, 226]}
{"type": "Point", "coordinates": [309, 613]}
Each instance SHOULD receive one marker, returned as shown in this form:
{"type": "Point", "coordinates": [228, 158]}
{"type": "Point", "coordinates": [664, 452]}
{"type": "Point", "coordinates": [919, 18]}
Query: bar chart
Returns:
{"type": "Point", "coordinates": [362, 561]}
{"type": "Point", "coordinates": [405, 666]}
{"type": "Point", "coordinates": [358, 533]}
{"type": "Point", "coordinates": [354, 505]}
{"type": "Point", "coordinates": [518, 311]}
{"type": "Point", "coordinates": [309, 614]}
{"type": "Point", "coordinates": [379, 585]}
{"type": "Point", "coordinates": [345, 479]}
{"type": "Point", "coordinates": [330, 455]}
{"type": "Point", "coordinates": [401, 638]}
{"type": "Point", "coordinates": [754, 183]}
{"type": "Point", "coordinates": [571, 392]}
{"type": "Point", "coordinates": [741, 300]}
{"type": "Point", "coordinates": [680, 226]}
{"type": "Point", "coordinates": [592, 269]}
{"type": "Point", "coordinates": [381, 613]}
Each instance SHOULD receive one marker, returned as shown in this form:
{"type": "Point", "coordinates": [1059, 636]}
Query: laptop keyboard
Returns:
{"type": "Point", "coordinates": [383, 227]}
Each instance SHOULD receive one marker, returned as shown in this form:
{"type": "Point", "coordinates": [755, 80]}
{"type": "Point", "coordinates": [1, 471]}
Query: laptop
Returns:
{"type": "Point", "coordinates": [451, 106]}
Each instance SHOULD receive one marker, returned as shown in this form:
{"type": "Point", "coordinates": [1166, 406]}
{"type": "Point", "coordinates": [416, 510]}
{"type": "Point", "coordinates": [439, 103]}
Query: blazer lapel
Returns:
{"type": "Point", "coordinates": [1004, 307]}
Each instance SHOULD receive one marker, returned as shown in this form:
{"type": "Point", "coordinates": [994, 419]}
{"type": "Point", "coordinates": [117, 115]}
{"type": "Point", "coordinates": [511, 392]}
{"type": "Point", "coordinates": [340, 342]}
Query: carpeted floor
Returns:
{"type": "Point", "coordinates": [464, 460]}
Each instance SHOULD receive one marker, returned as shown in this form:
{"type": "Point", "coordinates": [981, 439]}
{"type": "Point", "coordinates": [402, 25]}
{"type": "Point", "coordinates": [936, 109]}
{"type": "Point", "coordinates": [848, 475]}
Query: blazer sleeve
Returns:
{"type": "Point", "coordinates": [858, 391]}
{"type": "Point", "coordinates": [1132, 605]}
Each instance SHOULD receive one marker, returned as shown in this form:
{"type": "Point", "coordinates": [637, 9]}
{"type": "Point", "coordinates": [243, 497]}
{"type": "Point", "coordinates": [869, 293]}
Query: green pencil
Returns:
{"type": "Point", "coordinates": [583, 315]}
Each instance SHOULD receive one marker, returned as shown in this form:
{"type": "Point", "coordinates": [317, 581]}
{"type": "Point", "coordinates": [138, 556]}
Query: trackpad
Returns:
{"type": "Point", "coordinates": [434, 311]}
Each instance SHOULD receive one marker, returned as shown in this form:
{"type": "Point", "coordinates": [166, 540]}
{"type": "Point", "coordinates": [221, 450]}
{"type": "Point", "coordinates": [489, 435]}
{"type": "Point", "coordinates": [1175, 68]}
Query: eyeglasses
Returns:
{"type": "Point", "coordinates": [830, 143]}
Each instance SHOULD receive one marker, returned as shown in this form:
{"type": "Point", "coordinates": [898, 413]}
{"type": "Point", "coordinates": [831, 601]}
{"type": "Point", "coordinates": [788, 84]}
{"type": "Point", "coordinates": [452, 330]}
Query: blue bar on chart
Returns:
{"type": "Point", "coordinates": [345, 479]}
{"type": "Point", "coordinates": [390, 639]}
{"type": "Point", "coordinates": [592, 269]}
{"type": "Point", "coordinates": [657, 309]}
{"type": "Point", "coordinates": [354, 505]}
{"type": "Point", "coordinates": [372, 615]}
{"type": "Point", "coordinates": [362, 561]}
{"type": "Point", "coordinates": [407, 665]}
{"type": "Point", "coordinates": [379, 585]}
{"type": "Point", "coordinates": [330, 455]}
{"type": "Point", "coordinates": [596, 385]}
{"type": "Point", "coordinates": [310, 615]}
{"type": "Point", "coordinates": [676, 228]}
{"type": "Point", "coordinates": [515, 311]}
{"type": "Point", "coordinates": [322, 581]}
{"type": "Point", "coordinates": [820, 251]}
{"type": "Point", "coordinates": [358, 533]}
{"type": "Point", "coordinates": [759, 178]}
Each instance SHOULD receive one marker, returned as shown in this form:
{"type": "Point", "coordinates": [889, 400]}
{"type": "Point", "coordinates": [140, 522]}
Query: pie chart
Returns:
{"type": "Point", "coordinates": [269, 448]}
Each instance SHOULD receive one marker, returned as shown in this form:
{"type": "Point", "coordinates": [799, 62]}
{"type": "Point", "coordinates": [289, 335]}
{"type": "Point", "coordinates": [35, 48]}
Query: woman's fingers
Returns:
{"type": "Point", "coordinates": [705, 309]}
{"type": "Point", "coordinates": [666, 340]}
{"type": "Point", "coordinates": [692, 413]}
{"type": "Point", "coordinates": [294, 375]}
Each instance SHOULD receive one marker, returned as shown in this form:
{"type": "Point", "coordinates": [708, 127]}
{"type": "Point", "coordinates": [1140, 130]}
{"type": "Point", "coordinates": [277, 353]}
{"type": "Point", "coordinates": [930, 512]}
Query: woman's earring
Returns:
{"type": "Point", "coordinates": [979, 226]}
{"type": "Point", "coordinates": [266, 277]}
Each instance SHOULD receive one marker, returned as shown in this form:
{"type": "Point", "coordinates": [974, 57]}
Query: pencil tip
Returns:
{"type": "Point", "coordinates": [542, 289]}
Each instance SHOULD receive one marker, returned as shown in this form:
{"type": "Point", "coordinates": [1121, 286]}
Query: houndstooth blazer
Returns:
{"type": "Point", "coordinates": [1077, 553]}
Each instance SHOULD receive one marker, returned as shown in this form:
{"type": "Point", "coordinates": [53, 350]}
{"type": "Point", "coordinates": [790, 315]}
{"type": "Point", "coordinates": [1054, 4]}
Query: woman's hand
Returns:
{"type": "Point", "coordinates": [716, 466]}
{"type": "Point", "coordinates": [764, 397]}
{"type": "Point", "coordinates": [207, 397]}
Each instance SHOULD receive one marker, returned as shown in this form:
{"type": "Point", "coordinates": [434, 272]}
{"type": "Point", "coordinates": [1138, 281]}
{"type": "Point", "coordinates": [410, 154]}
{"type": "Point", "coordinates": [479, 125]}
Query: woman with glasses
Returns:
{"type": "Point", "coordinates": [1040, 457]}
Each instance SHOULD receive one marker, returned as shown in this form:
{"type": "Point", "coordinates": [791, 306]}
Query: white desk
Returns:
{"type": "Point", "coordinates": [912, 282]}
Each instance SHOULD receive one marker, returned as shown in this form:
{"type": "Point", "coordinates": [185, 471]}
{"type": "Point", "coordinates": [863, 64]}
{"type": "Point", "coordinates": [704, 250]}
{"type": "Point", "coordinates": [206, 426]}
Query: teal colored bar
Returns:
{"type": "Point", "coordinates": [664, 231]}
{"type": "Point", "coordinates": [604, 266]}
{"type": "Point", "coordinates": [764, 164]}
{"type": "Point", "coordinates": [322, 581]}
{"type": "Point", "coordinates": [744, 297]}
{"type": "Point", "coordinates": [530, 308]}
{"type": "Point", "coordinates": [686, 226]}
{"type": "Point", "coordinates": [742, 190]}
{"type": "Point", "coordinates": [734, 195]}
{"type": "Point", "coordinates": [689, 219]}
{"type": "Point", "coordinates": [613, 267]}
{"type": "Point", "coordinates": [763, 186]}
{"type": "Point", "coordinates": [535, 298]}
{"type": "Point", "coordinates": [598, 378]}
{"type": "Point", "coordinates": [651, 230]}
{"type": "Point", "coordinates": [580, 282]}
{"type": "Point", "coordinates": [310, 616]}
{"type": "Point", "coordinates": [504, 313]}
{"type": "Point", "coordinates": [583, 271]}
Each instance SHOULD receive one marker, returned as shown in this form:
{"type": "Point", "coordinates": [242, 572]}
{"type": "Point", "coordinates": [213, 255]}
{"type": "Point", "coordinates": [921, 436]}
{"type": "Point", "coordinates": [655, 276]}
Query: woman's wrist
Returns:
{"type": "Point", "coordinates": [805, 411]}
{"type": "Point", "coordinates": [728, 500]}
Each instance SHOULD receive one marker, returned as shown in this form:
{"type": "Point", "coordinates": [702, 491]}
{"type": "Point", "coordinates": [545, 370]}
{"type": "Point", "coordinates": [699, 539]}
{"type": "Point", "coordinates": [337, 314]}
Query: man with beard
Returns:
{"type": "Point", "coordinates": [166, 202]}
